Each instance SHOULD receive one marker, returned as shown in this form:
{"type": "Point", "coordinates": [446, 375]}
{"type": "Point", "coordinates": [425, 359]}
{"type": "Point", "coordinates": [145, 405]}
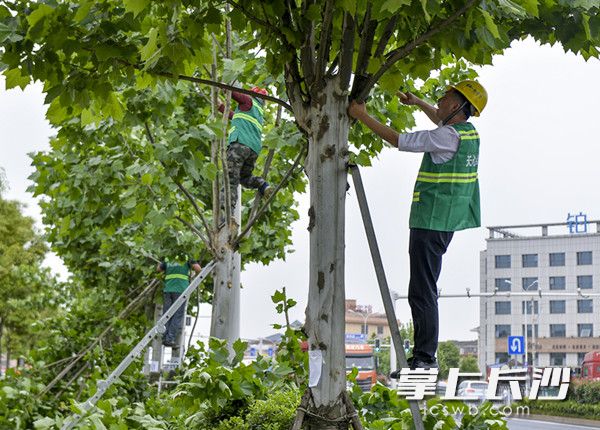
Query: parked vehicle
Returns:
{"type": "Point", "coordinates": [361, 356]}
{"type": "Point", "coordinates": [473, 389]}
{"type": "Point", "coordinates": [590, 368]}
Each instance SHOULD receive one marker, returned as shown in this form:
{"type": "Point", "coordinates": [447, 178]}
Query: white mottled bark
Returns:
{"type": "Point", "coordinates": [225, 321]}
{"type": "Point", "coordinates": [328, 126]}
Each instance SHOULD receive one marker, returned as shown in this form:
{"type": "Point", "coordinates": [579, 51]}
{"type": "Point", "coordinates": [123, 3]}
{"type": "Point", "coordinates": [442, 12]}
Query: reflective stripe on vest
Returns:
{"type": "Point", "coordinates": [177, 276]}
{"type": "Point", "coordinates": [247, 117]}
{"type": "Point", "coordinates": [461, 178]}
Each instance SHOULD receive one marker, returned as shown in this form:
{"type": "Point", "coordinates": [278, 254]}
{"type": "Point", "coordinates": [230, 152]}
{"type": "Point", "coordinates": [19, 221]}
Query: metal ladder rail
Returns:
{"type": "Point", "coordinates": [158, 328]}
{"type": "Point", "coordinates": [383, 285]}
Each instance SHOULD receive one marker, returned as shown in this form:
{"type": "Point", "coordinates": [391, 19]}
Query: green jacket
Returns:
{"type": "Point", "coordinates": [446, 195]}
{"type": "Point", "coordinates": [177, 277]}
{"type": "Point", "coordinates": [246, 126]}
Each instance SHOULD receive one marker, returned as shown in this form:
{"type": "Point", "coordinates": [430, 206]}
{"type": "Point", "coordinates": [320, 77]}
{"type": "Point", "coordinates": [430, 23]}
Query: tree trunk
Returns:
{"type": "Point", "coordinates": [328, 126]}
{"type": "Point", "coordinates": [225, 321]}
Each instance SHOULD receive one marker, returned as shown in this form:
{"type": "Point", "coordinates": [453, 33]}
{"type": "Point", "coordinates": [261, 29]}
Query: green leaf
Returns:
{"type": "Point", "coordinates": [530, 6]}
{"type": "Point", "coordinates": [147, 179]}
{"type": "Point", "coordinates": [210, 171]}
{"type": "Point", "coordinates": [490, 24]}
{"type": "Point", "coordinates": [113, 107]}
{"type": "Point", "coordinates": [15, 78]}
{"type": "Point", "coordinates": [394, 5]}
{"type": "Point", "coordinates": [151, 46]}
{"type": "Point", "coordinates": [278, 296]}
{"type": "Point", "coordinates": [43, 423]}
{"type": "Point", "coordinates": [136, 6]}
{"type": "Point", "coordinates": [8, 33]}
{"type": "Point", "coordinates": [83, 11]}
{"type": "Point", "coordinates": [42, 11]}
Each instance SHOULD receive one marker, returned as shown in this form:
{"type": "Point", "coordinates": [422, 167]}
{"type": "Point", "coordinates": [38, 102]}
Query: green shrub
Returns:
{"type": "Point", "coordinates": [276, 412]}
{"type": "Point", "coordinates": [565, 408]}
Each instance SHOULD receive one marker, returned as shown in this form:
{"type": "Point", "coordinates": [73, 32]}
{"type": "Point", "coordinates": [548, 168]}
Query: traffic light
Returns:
{"type": "Point", "coordinates": [377, 345]}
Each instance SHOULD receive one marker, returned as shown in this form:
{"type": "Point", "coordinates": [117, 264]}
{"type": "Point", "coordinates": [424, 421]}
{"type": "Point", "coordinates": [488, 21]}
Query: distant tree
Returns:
{"type": "Point", "coordinates": [469, 364]}
{"type": "Point", "coordinates": [21, 276]}
{"type": "Point", "coordinates": [448, 358]}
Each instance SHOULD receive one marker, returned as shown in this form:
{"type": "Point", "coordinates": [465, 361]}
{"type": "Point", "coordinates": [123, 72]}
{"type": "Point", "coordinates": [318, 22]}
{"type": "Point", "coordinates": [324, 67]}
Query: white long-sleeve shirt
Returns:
{"type": "Point", "coordinates": [441, 143]}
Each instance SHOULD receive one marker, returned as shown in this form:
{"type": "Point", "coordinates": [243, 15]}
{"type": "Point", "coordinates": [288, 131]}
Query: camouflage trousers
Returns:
{"type": "Point", "coordinates": [240, 163]}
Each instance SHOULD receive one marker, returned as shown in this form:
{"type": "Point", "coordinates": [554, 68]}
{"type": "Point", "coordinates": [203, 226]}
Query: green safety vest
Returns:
{"type": "Point", "coordinates": [246, 126]}
{"type": "Point", "coordinates": [177, 278]}
{"type": "Point", "coordinates": [446, 195]}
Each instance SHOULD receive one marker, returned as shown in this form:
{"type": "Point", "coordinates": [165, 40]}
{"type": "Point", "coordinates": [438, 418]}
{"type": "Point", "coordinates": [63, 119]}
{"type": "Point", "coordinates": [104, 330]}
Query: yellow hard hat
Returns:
{"type": "Point", "coordinates": [474, 93]}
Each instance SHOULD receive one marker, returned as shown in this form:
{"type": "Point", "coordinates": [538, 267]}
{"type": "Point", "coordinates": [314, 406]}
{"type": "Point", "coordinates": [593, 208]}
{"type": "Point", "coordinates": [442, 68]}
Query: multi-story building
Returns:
{"type": "Point", "coordinates": [362, 320]}
{"type": "Point", "coordinates": [559, 266]}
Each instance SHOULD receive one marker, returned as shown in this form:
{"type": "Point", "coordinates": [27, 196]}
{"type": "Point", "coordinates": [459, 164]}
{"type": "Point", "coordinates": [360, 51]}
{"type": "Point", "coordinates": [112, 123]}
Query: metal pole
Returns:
{"type": "Point", "coordinates": [383, 285]}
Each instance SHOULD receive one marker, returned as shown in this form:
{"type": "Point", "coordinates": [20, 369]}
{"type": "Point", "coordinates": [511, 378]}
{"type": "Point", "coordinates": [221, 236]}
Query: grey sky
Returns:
{"type": "Point", "coordinates": [538, 161]}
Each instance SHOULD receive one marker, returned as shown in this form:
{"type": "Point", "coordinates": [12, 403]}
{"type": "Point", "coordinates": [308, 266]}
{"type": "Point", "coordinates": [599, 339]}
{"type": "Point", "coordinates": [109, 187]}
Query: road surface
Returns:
{"type": "Point", "coordinates": [525, 424]}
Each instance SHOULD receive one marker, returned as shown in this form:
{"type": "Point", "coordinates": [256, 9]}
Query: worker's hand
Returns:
{"type": "Point", "coordinates": [357, 110]}
{"type": "Point", "coordinates": [407, 98]}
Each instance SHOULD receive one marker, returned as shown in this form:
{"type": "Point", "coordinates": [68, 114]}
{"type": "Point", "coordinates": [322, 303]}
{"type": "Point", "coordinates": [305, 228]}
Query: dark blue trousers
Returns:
{"type": "Point", "coordinates": [175, 323]}
{"type": "Point", "coordinates": [425, 248]}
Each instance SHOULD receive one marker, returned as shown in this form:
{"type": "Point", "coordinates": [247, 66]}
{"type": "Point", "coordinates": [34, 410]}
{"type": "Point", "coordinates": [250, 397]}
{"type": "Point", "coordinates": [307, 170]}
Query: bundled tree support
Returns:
{"type": "Point", "coordinates": [159, 328]}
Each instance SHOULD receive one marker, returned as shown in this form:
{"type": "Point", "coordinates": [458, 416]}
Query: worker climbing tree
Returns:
{"type": "Point", "coordinates": [245, 143]}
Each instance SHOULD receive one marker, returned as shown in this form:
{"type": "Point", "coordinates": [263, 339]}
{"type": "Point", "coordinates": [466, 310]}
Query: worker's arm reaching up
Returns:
{"type": "Point", "coordinates": [244, 102]}
{"type": "Point", "coordinates": [430, 111]}
{"type": "Point", "coordinates": [195, 265]}
{"type": "Point", "coordinates": [359, 111]}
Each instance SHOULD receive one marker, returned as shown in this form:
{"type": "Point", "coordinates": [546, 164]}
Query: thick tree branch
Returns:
{"type": "Point", "coordinates": [366, 42]}
{"type": "Point", "coordinates": [387, 34]}
{"type": "Point", "coordinates": [324, 42]}
{"type": "Point", "coordinates": [346, 51]}
{"type": "Point", "coordinates": [403, 51]}
{"type": "Point", "coordinates": [211, 83]}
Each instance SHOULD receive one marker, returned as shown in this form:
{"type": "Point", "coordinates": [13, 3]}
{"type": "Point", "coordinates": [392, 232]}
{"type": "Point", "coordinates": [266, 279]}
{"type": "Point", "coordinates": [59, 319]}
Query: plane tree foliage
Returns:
{"type": "Point", "coordinates": [316, 54]}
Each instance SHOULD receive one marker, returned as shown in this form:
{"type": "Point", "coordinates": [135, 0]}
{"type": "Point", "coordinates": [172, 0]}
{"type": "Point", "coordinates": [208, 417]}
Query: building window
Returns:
{"type": "Point", "coordinates": [364, 329]}
{"type": "Point", "coordinates": [502, 330]}
{"type": "Point", "coordinates": [558, 330]}
{"type": "Point", "coordinates": [502, 261]}
{"type": "Point", "coordinates": [557, 306]}
{"type": "Point", "coordinates": [558, 358]}
{"type": "Point", "coordinates": [530, 283]}
{"type": "Point", "coordinates": [526, 307]}
{"type": "Point", "coordinates": [188, 321]}
{"type": "Point", "coordinates": [585, 306]}
{"type": "Point", "coordinates": [557, 259]}
{"type": "Point", "coordinates": [585, 282]}
{"type": "Point", "coordinates": [502, 308]}
{"type": "Point", "coordinates": [530, 260]}
{"type": "Point", "coordinates": [529, 330]}
{"type": "Point", "coordinates": [379, 329]}
{"type": "Point", "coordinates": [502, 357]}
{"type": "Point", "coordinates": [503, 284]}
{"type": "Point", "coordinates": [580, 357]}
{"type": "Point", "coordinates": [557, 283]}
{"type": "Point", "coordinates": [584, 258]}
{"type": "Point", "coordinates": [585, 330]}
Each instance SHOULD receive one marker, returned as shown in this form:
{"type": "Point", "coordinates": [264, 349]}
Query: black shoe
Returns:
{"type": "Point", "coordinates": [170, 343]}
{"type": "Point", "coordinates": [415, 363]}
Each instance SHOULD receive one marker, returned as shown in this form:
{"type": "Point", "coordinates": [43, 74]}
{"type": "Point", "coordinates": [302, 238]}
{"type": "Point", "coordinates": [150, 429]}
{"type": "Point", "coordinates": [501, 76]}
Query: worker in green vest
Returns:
{"type": "Point", "coordinates": [177, 279]}
{"type": "Point", "coordinates": [245, 143]}
{"type": "Point", "coordinates": [445, 198]}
